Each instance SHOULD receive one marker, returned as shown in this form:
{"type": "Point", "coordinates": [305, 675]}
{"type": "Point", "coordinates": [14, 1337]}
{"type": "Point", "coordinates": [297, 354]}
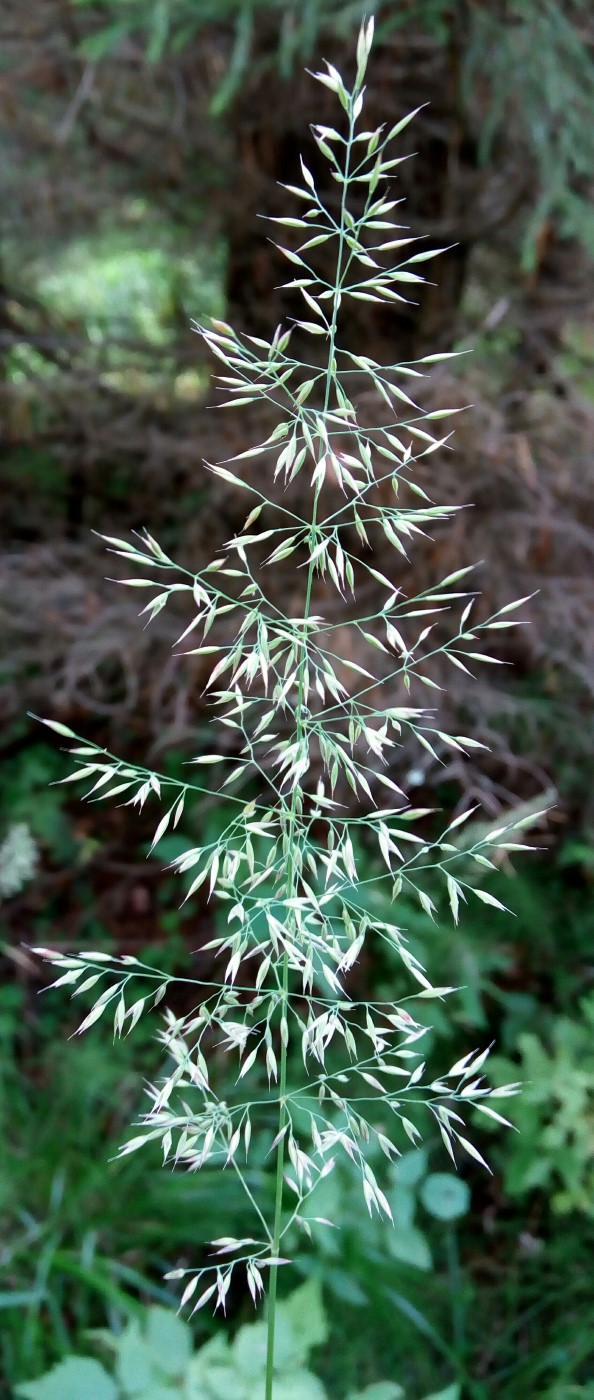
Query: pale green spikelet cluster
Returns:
{"type": "Point", "coordinates": [285, 869]}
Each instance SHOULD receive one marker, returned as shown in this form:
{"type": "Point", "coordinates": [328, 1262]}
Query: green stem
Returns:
{"type": "Point", "coordinates": [278, 1202]}
{"type": "Point", "coordinates": [292, 869]}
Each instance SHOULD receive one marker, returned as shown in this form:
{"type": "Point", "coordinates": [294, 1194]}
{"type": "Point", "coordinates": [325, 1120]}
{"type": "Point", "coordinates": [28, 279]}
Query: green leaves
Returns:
{"type": "Point", "coordinates": [153, 1359]}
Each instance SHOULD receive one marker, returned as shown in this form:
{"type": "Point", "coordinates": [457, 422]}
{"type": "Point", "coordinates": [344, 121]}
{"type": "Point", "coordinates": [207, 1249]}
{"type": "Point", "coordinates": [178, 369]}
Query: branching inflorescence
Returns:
{"type": "Point", "coordinates": [307, 721]}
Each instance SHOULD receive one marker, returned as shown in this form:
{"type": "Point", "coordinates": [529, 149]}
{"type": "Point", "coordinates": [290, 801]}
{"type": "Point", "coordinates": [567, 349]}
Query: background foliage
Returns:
{"type": "Point", "coordinates": [141, 141]}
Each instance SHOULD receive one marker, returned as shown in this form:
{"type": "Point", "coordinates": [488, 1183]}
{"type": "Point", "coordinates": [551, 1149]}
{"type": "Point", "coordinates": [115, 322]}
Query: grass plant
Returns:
{"type": "Point", "coordinates": [310, 725]}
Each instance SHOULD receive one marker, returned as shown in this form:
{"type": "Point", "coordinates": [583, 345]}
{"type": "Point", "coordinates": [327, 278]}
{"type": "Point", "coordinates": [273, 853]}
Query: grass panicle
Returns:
{"type": "Point", "coordinates": [310, 729]}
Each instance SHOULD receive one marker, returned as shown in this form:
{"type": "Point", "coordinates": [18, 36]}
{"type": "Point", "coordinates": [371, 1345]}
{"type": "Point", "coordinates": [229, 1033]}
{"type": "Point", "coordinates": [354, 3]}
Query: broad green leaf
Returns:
{"type": "Point", "coordinates": [411, 1247]}
{"type": "Point", "coordinates": [304, 1309]}
{"type": "Point", "coordinates": [169, 1339]}
{"type": "Point", "coordinates": [136, 1368]}
{"type": "Point", "coordinates": [343, 1285]}
{"type": "Point", "coordinates": [249, 1349]}
{"type": "Point", "coordinates": [224, 1381]}
{"type": "Point", "coordinates": [445, 1196]}
{"type": "Point", "coordinates": [409, 1168]}
{"type": "Point", "coordinates": [73, 1379]}
{"type": "Point", "coordinates": [402, 1204]}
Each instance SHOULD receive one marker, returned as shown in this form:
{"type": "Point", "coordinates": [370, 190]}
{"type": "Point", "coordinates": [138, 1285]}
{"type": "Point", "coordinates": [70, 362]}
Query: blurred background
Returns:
{"type": "Point", "coordinates": [141, 140]}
